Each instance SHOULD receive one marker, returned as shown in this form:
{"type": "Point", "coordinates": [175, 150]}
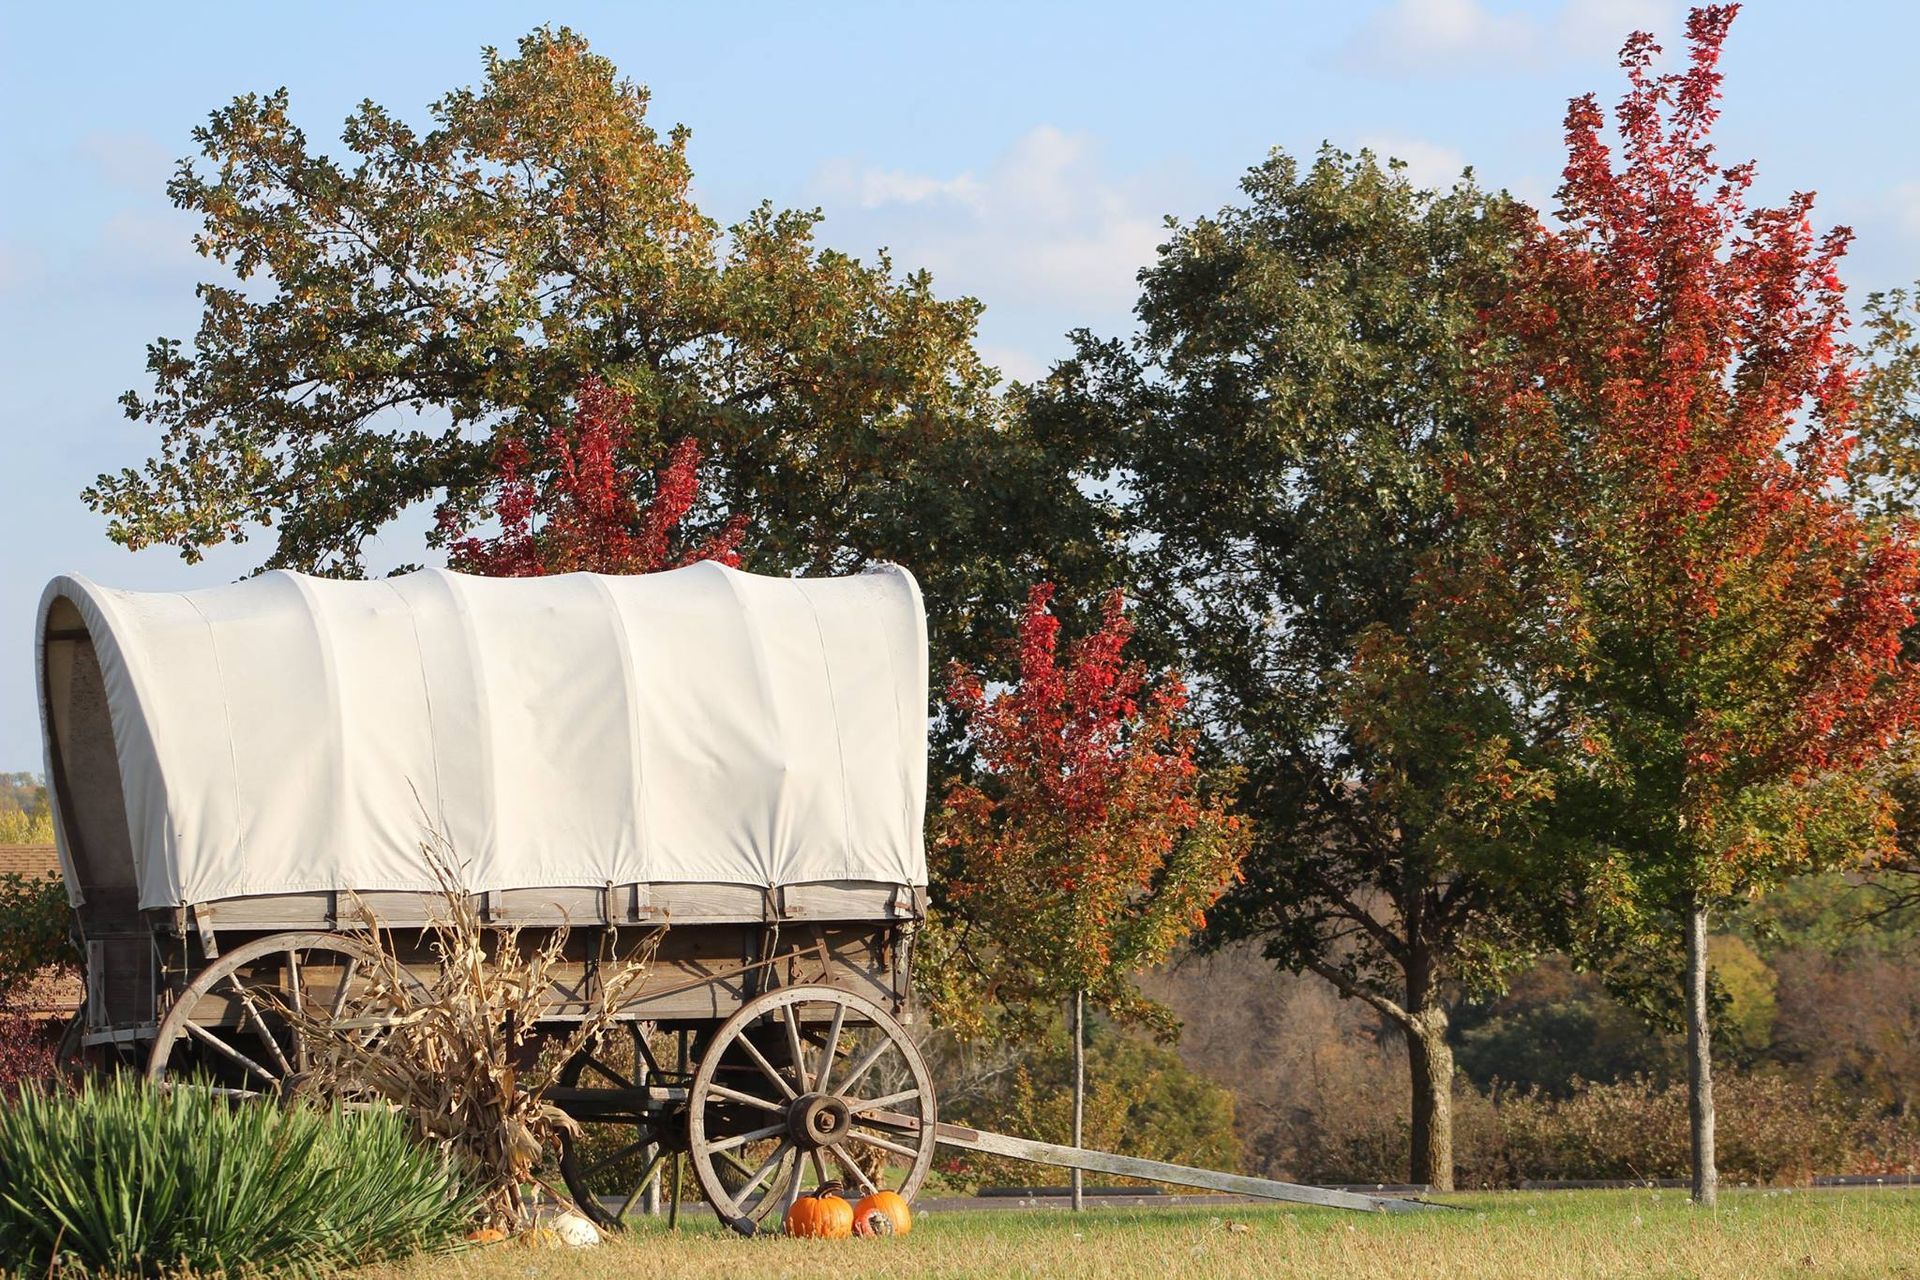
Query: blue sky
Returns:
{"type": "Point", "coordinates": [1025, 153]}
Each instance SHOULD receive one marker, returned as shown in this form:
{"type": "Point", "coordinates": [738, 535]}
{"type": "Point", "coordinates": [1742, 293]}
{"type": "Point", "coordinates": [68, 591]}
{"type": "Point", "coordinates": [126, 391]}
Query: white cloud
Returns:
{"type": "Point", "coordinates": [1906, 208]}
{"type": "Point", "coordinates": [20, 268]}
{"type": "Point", "coordinates": [1416, 34]}
{"type": "Point", "coordinates": [1044, 226]}
{"type": "Point", "coordinates": [145, 253]}
{"type": "Point", "coordinates": [1014, 363]}
{"type": "Point", "coordinates": [875, 188]}
{"type": "Point", "coordinates": [1428, 163]}
{"type": "Point", "coordinates": [150, 247]}
{"type": "Point", "coordinates": [136, 161]}
{"type": "Point", "coordinates": [1602, 26]}
{"type": "Point", "coordinates": [1452, 36]}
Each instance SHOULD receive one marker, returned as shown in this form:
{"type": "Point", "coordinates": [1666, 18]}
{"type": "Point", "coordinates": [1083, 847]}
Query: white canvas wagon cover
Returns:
{"type": "Point", "coordinates": [290, 733]}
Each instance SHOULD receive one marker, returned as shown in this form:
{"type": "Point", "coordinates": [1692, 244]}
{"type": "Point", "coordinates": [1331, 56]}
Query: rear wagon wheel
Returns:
{"type": "Point", "coordinates": [228, 1027]}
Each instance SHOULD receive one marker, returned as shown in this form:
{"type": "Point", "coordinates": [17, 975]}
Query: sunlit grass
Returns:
{"type": "Point", "coordinates": [1640, 1233]}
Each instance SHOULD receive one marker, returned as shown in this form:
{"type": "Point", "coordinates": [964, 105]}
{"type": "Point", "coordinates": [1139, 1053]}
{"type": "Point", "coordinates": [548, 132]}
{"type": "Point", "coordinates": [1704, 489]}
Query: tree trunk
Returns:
{"type": "Point", "coordinates": [1430, 1062]}
{"type": "Point", "coordinates": [1079, 1090]}
{"type": "Point", "coordinates": [1706, 1177]}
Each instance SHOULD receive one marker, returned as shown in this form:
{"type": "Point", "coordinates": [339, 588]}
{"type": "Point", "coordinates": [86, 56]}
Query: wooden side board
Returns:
{"type": "Point", "coordinates": [693, 973]}
{"type": "Point", "coordinates": [674, 904]}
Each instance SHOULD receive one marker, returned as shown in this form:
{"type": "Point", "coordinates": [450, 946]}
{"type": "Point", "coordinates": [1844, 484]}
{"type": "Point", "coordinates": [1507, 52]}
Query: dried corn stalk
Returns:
{"type": "Point", "coordinates": [458, 1057]}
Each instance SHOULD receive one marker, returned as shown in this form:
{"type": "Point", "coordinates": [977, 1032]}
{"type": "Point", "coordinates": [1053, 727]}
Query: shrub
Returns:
{"type": "Point", "coordinates": [35, 931]}
{"type": "Point", "coordinates": [1771, 1130]}
{"type": "Point", "coordinates": [118, 1178]}
{"type": "Point", "coordinates": [35, 945]}
{"type": "Point", "coordinates": [27, 1048]}
{"type": "Point", "coordinates": [1141, 1100]}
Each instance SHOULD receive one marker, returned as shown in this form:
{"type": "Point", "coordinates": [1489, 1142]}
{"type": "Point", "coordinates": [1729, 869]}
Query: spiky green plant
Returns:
{"type": "Point", "coordinates": [118, 1178]}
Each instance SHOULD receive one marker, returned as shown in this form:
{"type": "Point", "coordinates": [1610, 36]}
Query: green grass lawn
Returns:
{"type": "Point", "coordinates": [1602, 1233]}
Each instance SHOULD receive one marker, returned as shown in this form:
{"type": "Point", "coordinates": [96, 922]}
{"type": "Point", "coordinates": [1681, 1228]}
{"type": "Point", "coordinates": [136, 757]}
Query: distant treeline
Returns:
{"type": "Point", "coordinates": [24, 815]}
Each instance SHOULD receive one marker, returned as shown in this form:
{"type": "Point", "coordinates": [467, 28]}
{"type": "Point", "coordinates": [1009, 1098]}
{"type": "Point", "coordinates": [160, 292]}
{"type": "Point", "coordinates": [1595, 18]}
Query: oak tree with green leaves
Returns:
{"type": "Point", "coordinates": [1885, 471]}
{"type": "Point", "coordinates": [393, 314]}
{"type": "Point", "coordinates": [1280, 428]}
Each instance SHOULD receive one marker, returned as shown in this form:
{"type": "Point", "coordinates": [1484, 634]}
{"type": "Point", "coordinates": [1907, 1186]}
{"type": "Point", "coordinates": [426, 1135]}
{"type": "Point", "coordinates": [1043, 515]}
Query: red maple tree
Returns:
{"type": "Point", "coordinates": [580, 510]}
{"type": "Point", "coordinates": [1699, 623]}
{"type": "Point", "coordinates": [1085, 847]}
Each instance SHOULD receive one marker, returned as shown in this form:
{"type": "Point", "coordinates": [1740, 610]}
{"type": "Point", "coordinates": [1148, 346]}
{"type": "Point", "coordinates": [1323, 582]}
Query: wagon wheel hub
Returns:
{"type": "Point", "coordinates": [817, 1120]}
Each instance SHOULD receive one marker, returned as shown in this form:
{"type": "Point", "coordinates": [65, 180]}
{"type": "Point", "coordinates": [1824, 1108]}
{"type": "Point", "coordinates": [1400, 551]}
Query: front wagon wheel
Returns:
{"type": "Point", "coordinates": [807, 1083]}
{"type": "Point", "coordinates": [229, 1029]}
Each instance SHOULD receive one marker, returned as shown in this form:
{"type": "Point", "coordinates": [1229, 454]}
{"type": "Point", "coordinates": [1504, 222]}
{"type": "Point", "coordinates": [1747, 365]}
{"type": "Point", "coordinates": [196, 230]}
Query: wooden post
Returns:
{"type": "Point", "coordinates": [1079, 1092]}
{"type": "Point", "coordinates": [673, 1192]}
{"type": "Point", "coordinates": [651, 1156]}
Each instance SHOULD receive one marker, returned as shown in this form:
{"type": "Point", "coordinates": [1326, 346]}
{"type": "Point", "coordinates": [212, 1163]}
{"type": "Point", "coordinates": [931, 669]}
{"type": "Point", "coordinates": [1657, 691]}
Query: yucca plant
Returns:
{"type": "Point", "coordinates": [121, 1178]}
{"type": "Point", "coordinates": [456, 1059]}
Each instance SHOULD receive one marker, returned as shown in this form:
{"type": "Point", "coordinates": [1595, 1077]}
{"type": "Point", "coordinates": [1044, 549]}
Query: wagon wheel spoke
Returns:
{"type": "Point", "coordinates": [791, 1018]}
{"type": "Point", "coordinates": [746, 1099]}
{"type": "Point", "coordinates": [260, 1024]}
{"type": "Point", "coordinates": [644, 1061]}
{"type": "Point", "coordinates": [227, 1051]}
{"type": "Point", "coordinates": [783, 1203]}
{"type": "Point", "coordinates": [608, 1161]}
{"type": "Point", "coordinates": [861, 1106]}
{"type": "Point", "coordinates": [346, 985]}
{"type": "Point", "coordinates": [647, 1174]}
{"type": "Point", "coordinates": [831, 1047]}
{"type": "Point", "coordinates": [742, 1139]}
{"type": "Point", "coordinates": [819, 1169]}
{"type": "Point", "coordinates": [605, 1072]}
{"type": "Point", "coordinates": [848, 1164]}
{"type": "Point", "coordinates": [296, 986]}
{"type": "Point", "coordinates": [766, 1167]}
{"type": "Point", "coordinates": [766, 1068]}
{"type": "Point", "coordinates": [874, 1140]}
{"type": "Point", "coordinates": [865, 1064]}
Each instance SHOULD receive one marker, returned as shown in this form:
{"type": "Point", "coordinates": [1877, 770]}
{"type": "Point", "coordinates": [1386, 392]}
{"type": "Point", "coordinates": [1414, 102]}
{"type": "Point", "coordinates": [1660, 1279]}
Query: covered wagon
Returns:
{"type": "Point", "coordinates": [238, 773]}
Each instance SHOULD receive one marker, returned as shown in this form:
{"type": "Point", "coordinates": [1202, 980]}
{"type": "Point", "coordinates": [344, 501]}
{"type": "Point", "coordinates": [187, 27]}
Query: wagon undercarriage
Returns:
{"type": "Point", "coordinates": [765, 1058]}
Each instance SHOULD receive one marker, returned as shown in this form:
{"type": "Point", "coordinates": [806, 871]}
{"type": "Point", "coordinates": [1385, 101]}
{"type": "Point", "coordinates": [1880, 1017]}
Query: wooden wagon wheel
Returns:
{"type": "Point", "coordinates": [227, 1026]}
{"type": "Point", "coordinates": [785, 1089]}
{"type": "Point", "coordinates": [642, 1134]}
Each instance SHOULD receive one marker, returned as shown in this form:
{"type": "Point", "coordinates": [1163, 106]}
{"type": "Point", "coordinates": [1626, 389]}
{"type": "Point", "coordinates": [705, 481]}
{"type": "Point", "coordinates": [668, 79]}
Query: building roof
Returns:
{"type": "Point", "coordinates": [32, 860]}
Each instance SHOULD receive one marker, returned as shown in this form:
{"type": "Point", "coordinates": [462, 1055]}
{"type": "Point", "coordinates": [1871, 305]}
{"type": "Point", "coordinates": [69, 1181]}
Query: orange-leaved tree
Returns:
{"type": "Point", "coordinates": [578, 507]}
{"type": "Point", "coordinates": [1086, 844]}
{"type": "Point", "coordinates": [1705, 635]}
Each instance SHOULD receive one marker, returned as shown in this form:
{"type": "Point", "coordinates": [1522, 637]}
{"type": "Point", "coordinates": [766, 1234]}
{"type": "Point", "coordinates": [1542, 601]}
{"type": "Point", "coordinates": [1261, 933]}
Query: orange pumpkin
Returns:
{"type": "Point", "coordinates": [884, 1213]}
{"type": "Point", "coordinates": [824, 1215]}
